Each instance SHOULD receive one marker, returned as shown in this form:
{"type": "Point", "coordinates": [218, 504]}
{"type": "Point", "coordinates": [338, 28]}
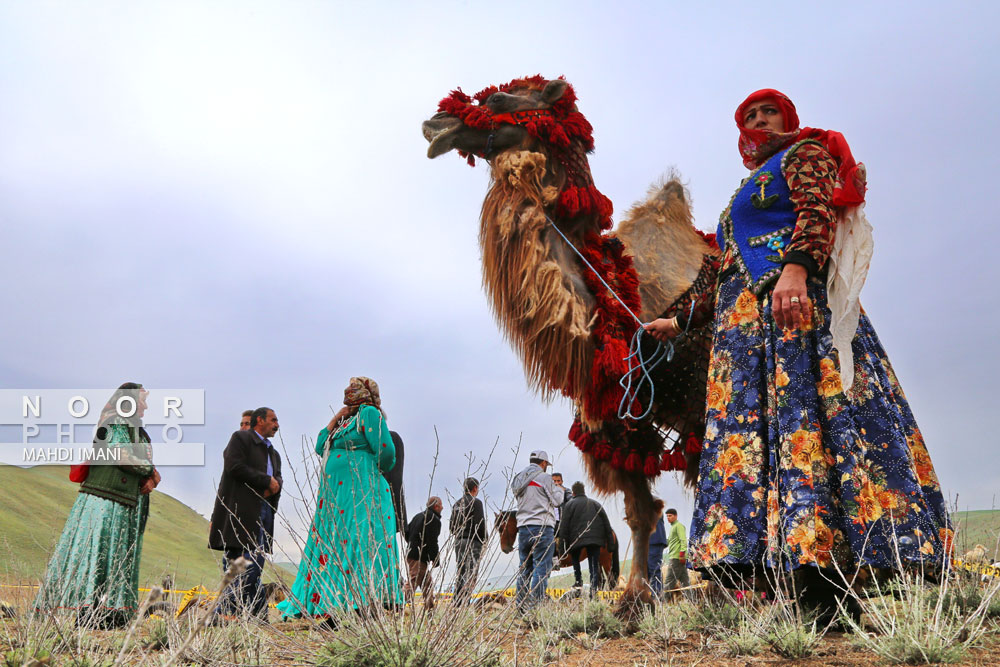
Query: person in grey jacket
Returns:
{"type": "Point", "coordinates": [585, 525]}
{"type": "Point", "coordinates": [537, 499]}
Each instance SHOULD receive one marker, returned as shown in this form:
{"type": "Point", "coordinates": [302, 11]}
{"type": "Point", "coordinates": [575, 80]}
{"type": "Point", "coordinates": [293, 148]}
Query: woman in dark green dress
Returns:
{"type": "Point", "coordinates": [95, 568]}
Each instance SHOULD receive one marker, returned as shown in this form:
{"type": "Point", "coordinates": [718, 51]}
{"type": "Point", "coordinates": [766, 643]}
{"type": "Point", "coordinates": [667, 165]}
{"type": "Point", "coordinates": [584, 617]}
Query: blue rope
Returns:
{"type": "Point", "coordinates": [637, 361]}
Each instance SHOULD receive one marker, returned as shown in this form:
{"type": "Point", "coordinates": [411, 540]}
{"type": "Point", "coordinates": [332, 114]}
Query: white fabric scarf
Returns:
{"type": "Point", "coordinates": [848, 268]}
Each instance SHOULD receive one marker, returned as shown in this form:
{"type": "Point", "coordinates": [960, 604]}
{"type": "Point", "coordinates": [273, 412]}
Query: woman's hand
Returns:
{"type": "Point", "coordinates": [147, 486]}
{"type": "Point", "coordinates": [789, 299]}
{"type": "Point", "coordinates": [156, 478]}
{"type": "Point", "coordinates": [663, 329]}
{"type": "Point", "coordinates": [342, 413]}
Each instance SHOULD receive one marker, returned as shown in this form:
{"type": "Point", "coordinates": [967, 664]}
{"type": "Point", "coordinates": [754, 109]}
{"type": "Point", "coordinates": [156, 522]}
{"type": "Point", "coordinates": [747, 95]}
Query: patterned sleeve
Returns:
{"type": "Point", "coordinates": [811, 173]}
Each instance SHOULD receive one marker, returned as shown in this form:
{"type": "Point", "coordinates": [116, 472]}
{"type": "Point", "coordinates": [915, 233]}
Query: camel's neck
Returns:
{"type": "Point", "coordinates": [532, 277]}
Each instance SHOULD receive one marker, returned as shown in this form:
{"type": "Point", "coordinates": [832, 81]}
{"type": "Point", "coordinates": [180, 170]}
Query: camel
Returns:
{"type": "Point", "coordinates": [541, 214]}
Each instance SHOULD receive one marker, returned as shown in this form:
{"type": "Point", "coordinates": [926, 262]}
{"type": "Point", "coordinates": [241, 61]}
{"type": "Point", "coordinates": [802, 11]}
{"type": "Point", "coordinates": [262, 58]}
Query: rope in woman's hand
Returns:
{"type": "Point", "coordinates": [638, 361]}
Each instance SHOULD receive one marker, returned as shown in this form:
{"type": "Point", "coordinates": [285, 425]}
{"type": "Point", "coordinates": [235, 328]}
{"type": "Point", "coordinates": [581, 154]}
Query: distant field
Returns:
{"type": "Point", "coordinates": [563, 578]}
{"type": "Point", "coordinates": [33, 508]}
{"type": "Point", "coordinates": [977, 527]}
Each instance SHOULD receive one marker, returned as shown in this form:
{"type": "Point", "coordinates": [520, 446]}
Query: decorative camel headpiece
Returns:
{"type": "Point", "coordinates": [559, 126]}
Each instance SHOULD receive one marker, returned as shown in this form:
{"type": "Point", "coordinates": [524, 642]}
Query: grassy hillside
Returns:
{"type": "Point", "coordinates": [977, 527]}
{"type": "Point", "coordinates": [33, 508]}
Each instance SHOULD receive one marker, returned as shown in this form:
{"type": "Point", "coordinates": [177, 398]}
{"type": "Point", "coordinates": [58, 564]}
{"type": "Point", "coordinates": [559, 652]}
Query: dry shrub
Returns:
{"type": "Point", "coordinates": [792, 639]}
{"type": "Point", "coordinates": [411, 639]}
{"type": "Point", "coordinates": [917, 622]}
{"type": "Point", "coordinates": [713, 617]}
{"type": "Point", "coordinates": [744, 640]}
{"type": "Point", "coordinates": [593, 618]}
{"type": "Point", "coordinates": [669, 623]}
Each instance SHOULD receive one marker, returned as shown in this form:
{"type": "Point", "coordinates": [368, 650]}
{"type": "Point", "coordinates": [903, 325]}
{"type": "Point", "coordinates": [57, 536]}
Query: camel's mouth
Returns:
{"type": "Point", "coordinates": [441, 131]}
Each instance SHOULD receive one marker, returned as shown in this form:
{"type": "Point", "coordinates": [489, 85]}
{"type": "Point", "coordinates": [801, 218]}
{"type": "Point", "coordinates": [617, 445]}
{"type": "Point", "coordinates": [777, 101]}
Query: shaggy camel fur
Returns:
{"type": "Point", "coordinates": [536, 143]}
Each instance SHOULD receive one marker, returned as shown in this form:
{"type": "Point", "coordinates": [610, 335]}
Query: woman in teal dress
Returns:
{"type": "Point", "coordinates": [350, 560]}
{"type": "Point", "coordinates": [95, 568]}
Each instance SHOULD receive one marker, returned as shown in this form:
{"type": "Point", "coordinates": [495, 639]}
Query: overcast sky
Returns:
{"type": "Point", "coordinates": [235, 196]}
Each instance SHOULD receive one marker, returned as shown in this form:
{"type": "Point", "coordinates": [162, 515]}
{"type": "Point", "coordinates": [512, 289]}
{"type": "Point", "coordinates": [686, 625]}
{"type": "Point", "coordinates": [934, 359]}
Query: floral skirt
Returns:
{"type": "Point", "coordinates": [95, 567]}
{"type": "Point", "coordinates": [795, 471]}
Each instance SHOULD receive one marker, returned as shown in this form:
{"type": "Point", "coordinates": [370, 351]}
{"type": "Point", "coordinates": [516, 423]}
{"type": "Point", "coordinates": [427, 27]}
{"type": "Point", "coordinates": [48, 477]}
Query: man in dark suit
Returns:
{"type": "Point", "coordinates": [243, 517]}
{"type": "Point", "coordinates": [468, 527]}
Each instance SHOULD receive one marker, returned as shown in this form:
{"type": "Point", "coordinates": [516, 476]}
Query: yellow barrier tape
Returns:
{"type": "Point", "coordinates": [978, 568]}
{"type": "Point", "coordinates": [141, 590]}
{"type": "Point", "coordinates": [189, 596]}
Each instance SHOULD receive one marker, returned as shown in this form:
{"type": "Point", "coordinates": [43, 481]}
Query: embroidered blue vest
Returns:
{"type": "Point", "coordinates": [759, 221]}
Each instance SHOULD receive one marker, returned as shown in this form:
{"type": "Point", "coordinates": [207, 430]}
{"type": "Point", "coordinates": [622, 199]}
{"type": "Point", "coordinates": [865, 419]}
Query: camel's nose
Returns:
{"type": "Point", "coordinates": [440, 132]}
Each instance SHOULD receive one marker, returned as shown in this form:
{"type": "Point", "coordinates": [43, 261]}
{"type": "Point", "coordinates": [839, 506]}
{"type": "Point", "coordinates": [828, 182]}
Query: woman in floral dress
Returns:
{"type": "Point", "coordinates": [812, 460]}
{"type": "Point", "coordinates": [350, 559]}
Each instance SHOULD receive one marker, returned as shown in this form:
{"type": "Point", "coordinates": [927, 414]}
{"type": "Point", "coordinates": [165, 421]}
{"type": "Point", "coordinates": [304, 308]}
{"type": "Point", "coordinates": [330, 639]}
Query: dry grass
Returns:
{"type": "Point", "coordinates": [910, 621]}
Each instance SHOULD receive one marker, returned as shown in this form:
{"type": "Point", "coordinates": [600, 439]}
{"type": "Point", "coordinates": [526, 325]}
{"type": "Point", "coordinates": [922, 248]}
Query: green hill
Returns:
{"type": "Point", "coordinates": [977, 527]}
{"type": "Point", "coordinates": [33, 508]}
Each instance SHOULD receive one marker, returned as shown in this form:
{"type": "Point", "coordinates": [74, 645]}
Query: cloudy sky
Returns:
{"type": "Point", "coordinates": [235, 196]}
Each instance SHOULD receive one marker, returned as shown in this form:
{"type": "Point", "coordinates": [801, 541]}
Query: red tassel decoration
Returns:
{"type": "Point", "coordinates": [575, 431]}
{"type": "Point", "coordinates": [632, 461]}
{"type": "Point", "coordinates": [709, 238]}
{"type": "Point", "coordinates": [680, 463]}
{"type": "Point", "coordinates": [692, 444]}
{"type": "Point", "coordinates": [602, 451]}
{"type": "Point", "coordinates": [651, 468]}
{"type": "Point", "coordinates": [617, 458]}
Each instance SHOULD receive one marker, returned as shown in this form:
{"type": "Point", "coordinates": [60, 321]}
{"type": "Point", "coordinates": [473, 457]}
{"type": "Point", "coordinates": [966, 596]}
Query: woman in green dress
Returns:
{"type": "Point", "coordinates": [95, 568]}
{"type": "Point", "coordinates": [350, 559]}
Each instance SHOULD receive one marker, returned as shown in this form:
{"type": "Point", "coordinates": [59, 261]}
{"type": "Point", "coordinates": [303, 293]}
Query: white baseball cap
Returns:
{"type": "Point", "coordinates": [540, 454]}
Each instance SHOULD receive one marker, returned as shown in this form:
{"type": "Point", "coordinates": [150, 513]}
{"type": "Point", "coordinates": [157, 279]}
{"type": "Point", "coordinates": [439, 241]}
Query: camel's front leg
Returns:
{"type": "Point", "coordinates": [641, 511]}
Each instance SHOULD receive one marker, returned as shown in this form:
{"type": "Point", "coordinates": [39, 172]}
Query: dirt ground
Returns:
{"type": "Point", "coordinates": [836, 650]}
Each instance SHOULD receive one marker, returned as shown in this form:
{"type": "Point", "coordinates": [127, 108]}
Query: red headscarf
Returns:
{"type": "Point", "coordinates": [758, 145]}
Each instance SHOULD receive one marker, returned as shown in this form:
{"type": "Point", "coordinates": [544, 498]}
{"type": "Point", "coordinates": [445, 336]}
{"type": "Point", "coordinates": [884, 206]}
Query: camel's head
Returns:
{"type": "Point", "coordinates": [520, 114]}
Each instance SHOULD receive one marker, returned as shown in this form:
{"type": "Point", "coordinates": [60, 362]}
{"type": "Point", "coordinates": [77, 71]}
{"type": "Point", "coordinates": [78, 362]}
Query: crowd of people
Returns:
{"type": "Point", "coordinates": [350, 556]}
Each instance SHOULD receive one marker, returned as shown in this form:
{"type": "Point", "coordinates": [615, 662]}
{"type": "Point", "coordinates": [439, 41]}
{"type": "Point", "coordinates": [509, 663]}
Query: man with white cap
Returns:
{"type": "Point", "coordinates": [537, 499]}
